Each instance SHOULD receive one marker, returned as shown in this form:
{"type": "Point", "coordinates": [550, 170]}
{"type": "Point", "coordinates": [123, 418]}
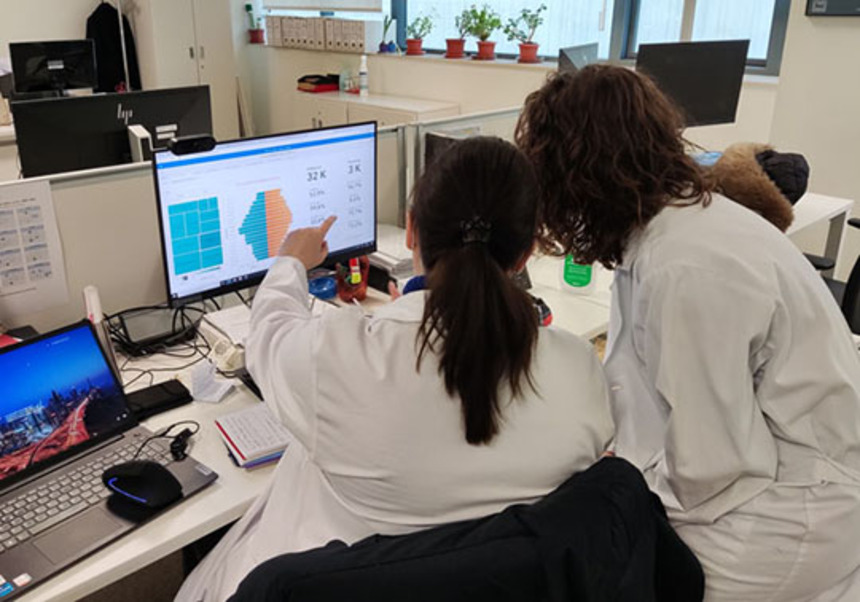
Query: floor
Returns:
{"type": "Point", "coordinates": [157, 582]}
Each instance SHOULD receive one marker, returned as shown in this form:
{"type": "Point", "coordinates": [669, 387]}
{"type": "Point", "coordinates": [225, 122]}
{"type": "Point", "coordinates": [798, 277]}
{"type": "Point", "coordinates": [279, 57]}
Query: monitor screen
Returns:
{"type": "Point", "coordinates": [224, 213]}
{"type": "Point", "coordinates": [703, 78]}
{"type": "Point", "coordinates": [59, 395]}
{"type": "Point", "coordinates": [58, 135]}
{"type": "Point", "coordinates": [574, 58]}
{"type": "Point", "coordinates": [437, 145]}
{"type": "Point", "coordinates": [53, 66]}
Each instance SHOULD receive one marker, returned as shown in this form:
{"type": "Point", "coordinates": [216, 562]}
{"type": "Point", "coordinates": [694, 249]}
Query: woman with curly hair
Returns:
{"type": "Point", "coordinates": [735, 382]}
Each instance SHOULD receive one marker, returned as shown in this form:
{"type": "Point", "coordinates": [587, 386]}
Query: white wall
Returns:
{"type": "Point", "coordinates": [816, 109]}
{"type": "Point", "coordinates": [29, 20]}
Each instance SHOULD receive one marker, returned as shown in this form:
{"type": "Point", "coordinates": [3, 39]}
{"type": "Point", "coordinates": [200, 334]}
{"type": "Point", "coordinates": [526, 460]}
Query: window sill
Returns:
{"type": "Point", "coordinates": [438, 58]}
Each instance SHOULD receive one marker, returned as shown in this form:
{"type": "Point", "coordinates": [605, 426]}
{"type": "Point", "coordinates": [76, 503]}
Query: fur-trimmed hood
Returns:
{"type": "Point", "coordinates": [739, 176]}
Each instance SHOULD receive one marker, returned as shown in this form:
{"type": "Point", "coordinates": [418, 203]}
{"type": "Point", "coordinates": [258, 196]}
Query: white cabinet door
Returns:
{"type": "Point", "coordinates": [166, 43]}
{"type": "Point", "coordinates": [217, 63]}
{"type": "Point", "coordinates": [313, 112]}
{"type": "Point", "coordinates": [330, 113]}
{"type": "Point", "coordinates": [383, 117]}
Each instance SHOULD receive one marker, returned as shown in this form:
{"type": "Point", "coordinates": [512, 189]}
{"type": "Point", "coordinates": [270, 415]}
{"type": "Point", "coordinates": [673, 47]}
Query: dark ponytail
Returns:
{"type": "Point", "coordinates": [475, 216]}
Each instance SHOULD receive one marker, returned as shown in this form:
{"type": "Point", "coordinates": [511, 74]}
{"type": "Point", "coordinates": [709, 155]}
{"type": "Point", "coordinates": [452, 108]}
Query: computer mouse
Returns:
{"type": "Point", "coordinates": [143, 481]}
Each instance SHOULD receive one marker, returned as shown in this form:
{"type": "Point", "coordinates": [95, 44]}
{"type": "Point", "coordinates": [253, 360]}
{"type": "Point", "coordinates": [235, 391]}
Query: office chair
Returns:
{"type": "Point", "coordinates": [847, 293]}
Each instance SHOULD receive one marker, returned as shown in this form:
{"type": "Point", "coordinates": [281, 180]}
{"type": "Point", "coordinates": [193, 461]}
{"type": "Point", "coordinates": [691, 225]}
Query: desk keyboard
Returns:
{"type": "Point", "coordinates": [68, 493]}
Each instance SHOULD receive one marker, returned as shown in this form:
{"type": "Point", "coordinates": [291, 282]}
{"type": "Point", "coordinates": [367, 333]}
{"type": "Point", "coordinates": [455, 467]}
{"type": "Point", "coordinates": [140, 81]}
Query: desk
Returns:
{"type": "Point", "coordinates": [217, 505]}
{"type": "Point", "coordinates": [584, 315]}
{"type": "Point", "coordinates": [234, 491]}
{"type": "Point", "coordinates": [814, 209]}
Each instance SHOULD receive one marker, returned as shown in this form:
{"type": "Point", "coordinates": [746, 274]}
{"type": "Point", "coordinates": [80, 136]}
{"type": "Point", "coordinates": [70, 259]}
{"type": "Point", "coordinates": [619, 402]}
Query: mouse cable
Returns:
{"type": "Point", "coordinates": [179, 441]}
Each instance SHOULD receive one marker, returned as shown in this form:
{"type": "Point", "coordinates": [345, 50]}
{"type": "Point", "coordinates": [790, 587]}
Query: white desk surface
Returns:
{"type": "Point", "coordinates": [814, 209]}
{"type": "Point", "coordinates": [384, 101]}
{"type": "Point", "coordinates": [584, 315]}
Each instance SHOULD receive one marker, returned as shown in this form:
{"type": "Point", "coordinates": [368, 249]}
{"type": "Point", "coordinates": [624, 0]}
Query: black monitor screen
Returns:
{"type": "Point", "coordinates": [436, 145]}
{"type": "Point", "coordinates": [53, 66]}
{"type": "Point", "coordinates": [574, 58]}
{"type": "Point", "coordinates": [69, 134]}
{"type": "Point", "coordinates": [703, 78]}
{"type": "Point", "coordinates": [224, 213]}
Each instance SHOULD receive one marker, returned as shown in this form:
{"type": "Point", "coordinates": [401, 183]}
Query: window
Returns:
{"type": "Point", "coordinates": [619, 26]}
{"type": "Point", "coordinates": [566, 23]}
{"type": "Point", "coordinates": [657, 21]}
{"type": "Point", "coordinates": [762, 22]}
{"type": "Point", "coordinates": [738, 20]}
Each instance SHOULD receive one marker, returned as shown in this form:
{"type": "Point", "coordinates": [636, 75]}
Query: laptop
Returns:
{"type": "Point", "coordinates": [64, 419]}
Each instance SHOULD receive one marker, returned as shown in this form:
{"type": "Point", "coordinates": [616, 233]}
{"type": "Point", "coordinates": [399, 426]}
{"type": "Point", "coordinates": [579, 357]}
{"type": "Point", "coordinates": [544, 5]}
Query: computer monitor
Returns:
{"type": "Point", "coordinates": [703, 78]}
{"type": "Point", "coordinates": [437, 144]}
{"type": "Point", "coordinates": [53, 66]}
{"type": "Point", "coordinates": [58, 135]}
{"type": "Point", "coordinates": [574, 58]}
{"type": "Point", "coordinates": [224, 213]}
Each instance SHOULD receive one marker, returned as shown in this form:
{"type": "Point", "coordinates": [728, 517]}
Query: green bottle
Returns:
{"type": "Point", "coordinates": [577, 278]}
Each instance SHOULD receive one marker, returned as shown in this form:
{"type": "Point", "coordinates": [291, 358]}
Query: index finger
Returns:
{"type": "Point", "coordinates": [326, 225]}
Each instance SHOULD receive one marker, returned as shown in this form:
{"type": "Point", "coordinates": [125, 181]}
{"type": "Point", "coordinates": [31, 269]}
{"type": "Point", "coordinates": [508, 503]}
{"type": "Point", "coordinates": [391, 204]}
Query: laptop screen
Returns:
{"type": "Point", "coordinates": [57, 396]}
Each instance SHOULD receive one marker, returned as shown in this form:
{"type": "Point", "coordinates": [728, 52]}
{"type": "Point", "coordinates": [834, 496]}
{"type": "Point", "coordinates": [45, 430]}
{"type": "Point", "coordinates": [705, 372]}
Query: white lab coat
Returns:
{"type": "Point", "coordinates": [736, 388]}
{"type": "Point", "coordinates": [380, 448]}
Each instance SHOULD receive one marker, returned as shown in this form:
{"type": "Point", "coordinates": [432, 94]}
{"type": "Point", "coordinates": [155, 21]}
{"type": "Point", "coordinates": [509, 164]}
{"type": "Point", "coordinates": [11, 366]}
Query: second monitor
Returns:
{"type": "Point", "coordinates": [59, 135]}
{"type": "Point", "coordinates": [224, 213]}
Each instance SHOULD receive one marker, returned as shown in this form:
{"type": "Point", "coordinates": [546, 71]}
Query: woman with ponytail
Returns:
{"type": "Point", "coordinates": [448, 404]}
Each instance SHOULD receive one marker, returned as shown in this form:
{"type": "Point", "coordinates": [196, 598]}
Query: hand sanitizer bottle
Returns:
{"type": "Point", "coordinates": [362, 77]}
{"type": "Point", "coordinates": [577, 278]}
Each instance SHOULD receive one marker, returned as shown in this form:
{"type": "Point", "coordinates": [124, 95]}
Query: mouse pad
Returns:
{"type": "Point", "coordinates": [78, 534]}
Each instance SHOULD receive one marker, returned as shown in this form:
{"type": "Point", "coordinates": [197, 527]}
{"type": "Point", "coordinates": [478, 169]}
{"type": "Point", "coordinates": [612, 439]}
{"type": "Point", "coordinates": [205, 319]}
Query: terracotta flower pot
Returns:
{"type": "Point", "coordinates": [486, 51]}
{"type": "Point", "coordinates": [413, 47]}
{"type": "Point", "coordinates": [455, 48]}
{"type": "Point", "coordinates": [528, 53]}
{"type": "Point", "coordinates": [256, 36]}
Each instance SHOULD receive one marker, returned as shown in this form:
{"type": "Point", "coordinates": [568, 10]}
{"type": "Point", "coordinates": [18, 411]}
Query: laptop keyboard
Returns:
{"type": "Point", "coordinates": [52, 502]}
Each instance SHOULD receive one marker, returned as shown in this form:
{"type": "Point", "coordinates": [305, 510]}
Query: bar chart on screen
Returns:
{"type": "Point", "coordinates": [266, 224]}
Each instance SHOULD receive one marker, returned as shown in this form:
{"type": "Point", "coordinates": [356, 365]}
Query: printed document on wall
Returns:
{"type": "Point", "coordinates": [32, 269]}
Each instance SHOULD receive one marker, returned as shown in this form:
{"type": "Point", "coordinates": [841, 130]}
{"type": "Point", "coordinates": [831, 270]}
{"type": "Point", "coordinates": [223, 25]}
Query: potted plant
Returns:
{"type": "Point", "coordinates": [481, 23]}
{"type": "Point", "coordinates": [390, 46]}
{"type": "Point", "coordinates": [256, 35]}
{"type": "Point", "coordinates": [455, 47]}
{"type": "Point", "coordinates": [523, 29]}
{"type": "Point", "coordinates": [415, 31]}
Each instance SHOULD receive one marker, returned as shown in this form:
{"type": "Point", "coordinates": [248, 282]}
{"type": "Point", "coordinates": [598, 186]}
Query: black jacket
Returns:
{"type": "Point", "coordinates": [103, 29]}
{"type": "Point", "coordinates": [600, 536]}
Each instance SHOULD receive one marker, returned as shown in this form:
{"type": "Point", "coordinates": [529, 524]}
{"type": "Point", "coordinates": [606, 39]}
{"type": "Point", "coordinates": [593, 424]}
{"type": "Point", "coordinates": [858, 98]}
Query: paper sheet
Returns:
{"type": "Point", "coordinates": [32, 269]}
{"type": "Point", "coordinates": [204, 385]}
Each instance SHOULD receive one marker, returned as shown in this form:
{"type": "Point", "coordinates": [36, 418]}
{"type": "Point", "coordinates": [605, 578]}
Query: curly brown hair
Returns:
{"type": "Point", "coordinates": [607, 147]}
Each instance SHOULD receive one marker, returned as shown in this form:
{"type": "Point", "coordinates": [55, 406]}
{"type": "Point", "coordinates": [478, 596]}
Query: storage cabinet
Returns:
{"type": "Point", "coordinates": [189, 43]}
{"type": "Point", "coordinates": [313, 113]}
{"type": "Point", "coordinates": [337, 108]}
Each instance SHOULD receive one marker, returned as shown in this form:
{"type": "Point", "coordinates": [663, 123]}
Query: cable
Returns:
{"type": "Point", "coordinates": [242, 299]}
{"type": "Point", "coordinates": [179, 442]}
